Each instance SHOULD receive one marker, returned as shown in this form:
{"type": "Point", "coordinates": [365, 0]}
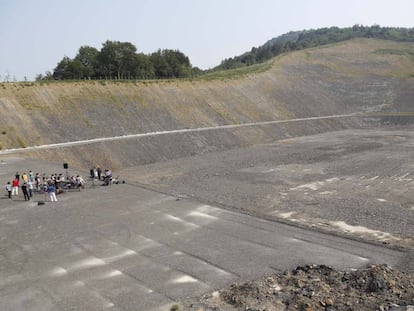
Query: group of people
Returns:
{"type": "Point", "coordinates": [50, 185]}
{"type": "Point", "coordinates": [27, 185]}
{"type": "Point", "coordinates": [105, 176]}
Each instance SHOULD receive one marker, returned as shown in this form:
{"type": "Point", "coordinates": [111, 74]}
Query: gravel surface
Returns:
{"type": "Point", "coordinates": [355, 182]}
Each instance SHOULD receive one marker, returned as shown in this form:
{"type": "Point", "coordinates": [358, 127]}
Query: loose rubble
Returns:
{"type": "Point", "coordinates": [318, 287]}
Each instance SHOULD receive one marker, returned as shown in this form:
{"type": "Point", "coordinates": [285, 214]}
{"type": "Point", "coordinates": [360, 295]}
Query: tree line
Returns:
{"type": "Point", "coordinates": [299, 40]}
{"type": "Point", "coordinates": [120, 61]}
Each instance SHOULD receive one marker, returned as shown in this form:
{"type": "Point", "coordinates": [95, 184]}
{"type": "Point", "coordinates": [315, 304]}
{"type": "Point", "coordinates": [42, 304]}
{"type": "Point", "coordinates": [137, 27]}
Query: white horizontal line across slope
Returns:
{"type": "Point", "coordinates": [102, 139]}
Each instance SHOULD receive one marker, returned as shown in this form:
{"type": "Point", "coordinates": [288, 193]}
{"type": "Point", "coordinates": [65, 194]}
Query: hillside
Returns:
{"type": "Point", "coordinates": [305, 39]}
{"type": "Point", "coordinates": [362, 75]}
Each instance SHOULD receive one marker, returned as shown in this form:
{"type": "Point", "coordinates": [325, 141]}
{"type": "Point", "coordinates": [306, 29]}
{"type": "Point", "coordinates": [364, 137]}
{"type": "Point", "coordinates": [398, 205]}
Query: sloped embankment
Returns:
{"type": "Point", "coordinates": [354, 76]}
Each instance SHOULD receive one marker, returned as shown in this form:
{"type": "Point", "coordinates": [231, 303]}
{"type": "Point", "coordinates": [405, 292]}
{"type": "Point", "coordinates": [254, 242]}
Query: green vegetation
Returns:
{"type": "Point", "coordinates": [21, 142]}
{"type": "Point", "coordinates": [236, 72]}
{"type": "Point", "coordinates": [175, 307]}
{"type": "Point", "coordinates": [395, 52]}
{"type": "Point", "coordinates": [300, 40]}
{"type": "Point", "coordinates": [120, 61]}
{"type": "Point", "coordinates": [403, 52]}
{"type": "Point", "coordinates": [390, 52]}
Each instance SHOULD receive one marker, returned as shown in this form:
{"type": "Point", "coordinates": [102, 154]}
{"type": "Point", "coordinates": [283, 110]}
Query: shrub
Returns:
{"type": "Point", "coordinates": [175, 308]}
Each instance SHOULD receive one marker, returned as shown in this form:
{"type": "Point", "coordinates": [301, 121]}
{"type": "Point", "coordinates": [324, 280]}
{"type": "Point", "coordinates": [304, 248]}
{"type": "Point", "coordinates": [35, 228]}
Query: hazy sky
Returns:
{"type": "Point", "coordinates": [36, 34]}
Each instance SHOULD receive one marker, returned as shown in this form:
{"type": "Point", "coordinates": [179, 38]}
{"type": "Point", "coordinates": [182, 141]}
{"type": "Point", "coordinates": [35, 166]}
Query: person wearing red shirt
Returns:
{"type": "Point", "coordinates": [15, 187]}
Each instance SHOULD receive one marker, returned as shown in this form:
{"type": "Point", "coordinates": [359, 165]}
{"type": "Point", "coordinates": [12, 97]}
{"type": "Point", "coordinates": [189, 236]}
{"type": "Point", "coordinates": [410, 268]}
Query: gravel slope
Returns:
{"type": "Point", "coordinates": [356, 182]}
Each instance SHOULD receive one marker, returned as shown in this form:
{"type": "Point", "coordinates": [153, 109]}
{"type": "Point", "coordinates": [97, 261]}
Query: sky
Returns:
{"type": "Point", "coordinates": [36, 34]}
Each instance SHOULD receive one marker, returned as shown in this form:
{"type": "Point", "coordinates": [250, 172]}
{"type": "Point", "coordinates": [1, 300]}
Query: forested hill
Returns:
{"type": "Point", "coordinates": [121, 61]}
{"type": "Point", "coordinates": [299, 40]}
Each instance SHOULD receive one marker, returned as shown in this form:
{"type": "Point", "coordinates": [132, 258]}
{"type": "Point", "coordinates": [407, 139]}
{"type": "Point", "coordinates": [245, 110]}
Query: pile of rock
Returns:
{"type": "Point", "coordinates": [318, 287]}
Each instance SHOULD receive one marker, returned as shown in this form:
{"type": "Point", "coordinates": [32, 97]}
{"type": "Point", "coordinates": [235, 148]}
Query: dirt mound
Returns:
{"type": "Point", "coordinates": [319, 287]}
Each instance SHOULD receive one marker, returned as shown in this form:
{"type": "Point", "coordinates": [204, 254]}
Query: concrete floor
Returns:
{"type": "Point", "coordinates": [124, 247]}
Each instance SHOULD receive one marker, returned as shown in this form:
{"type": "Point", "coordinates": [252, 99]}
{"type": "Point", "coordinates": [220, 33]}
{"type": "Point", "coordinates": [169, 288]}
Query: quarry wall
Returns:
{"type": "Point", "coordinates": [358, 76]}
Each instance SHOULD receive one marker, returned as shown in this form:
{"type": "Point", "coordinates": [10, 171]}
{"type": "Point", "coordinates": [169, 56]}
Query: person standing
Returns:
{"type": "Point", "coordinates": [52, 194]}
{"type": "Point", "coordinates": [25, 177]}
{"type": "Point", "coordinates": [99, 171]}
{"type": "Point", "coordinates": [9, 189]}
{"type": "Point", "coordinates": [15, 185]}
{"type": "Point", "coordinates": [30, 187]}
{"type": "Point", "coordinates": [25, 193]}
{"type": "Point", "coordinates": [37, 181]}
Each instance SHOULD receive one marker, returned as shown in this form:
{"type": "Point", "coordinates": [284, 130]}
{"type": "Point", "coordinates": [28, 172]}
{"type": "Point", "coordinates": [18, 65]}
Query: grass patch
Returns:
{"type": "Point", "coordinates": [389, 52]}
{"type": "Point", "coordinates": [235, 73]}
{"type": "Point", "coordinates": [175, 307]}
{"type": "Point", "coordinates": [87, 122]}
{"type": "Point", "coordinates": [21, 142]}
{"type": "Point", "coordinates": [402, 52]}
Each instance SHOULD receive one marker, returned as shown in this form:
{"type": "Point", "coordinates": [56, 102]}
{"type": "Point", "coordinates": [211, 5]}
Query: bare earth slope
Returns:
{"type": "Point", "coordinates": [354, 76]}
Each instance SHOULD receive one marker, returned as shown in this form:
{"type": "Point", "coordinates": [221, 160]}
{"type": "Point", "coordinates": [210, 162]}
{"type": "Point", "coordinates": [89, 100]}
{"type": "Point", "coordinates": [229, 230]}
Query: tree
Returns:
{"type": "Point", "coordinates": [47, 76]}
{"type": "Point", "coordinates": [75, 69]}
{"type": "Point", "coordinates": [178, 63]}
{"type": "Point", "coordinates": [61, 72]}
{"type": "Point", "coordinates": [144, 68]}
{"type": "Point", "coordinates": [87, 56]}
{"type": "Point", "coordinates": [68, 69]}
{"type": "Point", "coordinates": [170, 64]}
{"type": "Point", "coordinates": [120, 60]}
{"type": "Point", "coordinates": [161, 67]}
{"type": "Point", "coordinates": [116, 58]}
